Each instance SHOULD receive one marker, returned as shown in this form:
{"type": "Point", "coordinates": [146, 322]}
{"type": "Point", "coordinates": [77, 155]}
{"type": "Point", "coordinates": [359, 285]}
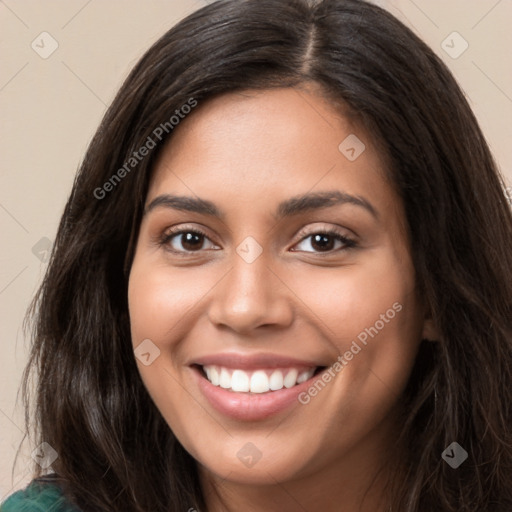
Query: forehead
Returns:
{"type": "Point", "coordinates": [259, 147]}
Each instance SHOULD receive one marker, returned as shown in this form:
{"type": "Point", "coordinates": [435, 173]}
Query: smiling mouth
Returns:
{"type": "Point", "coordinates": [257, 381]}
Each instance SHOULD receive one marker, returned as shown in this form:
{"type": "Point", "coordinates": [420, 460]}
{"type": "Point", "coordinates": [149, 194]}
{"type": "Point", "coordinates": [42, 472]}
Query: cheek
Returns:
{"type": "Point", "coordinates": [159, 299]}
{"type": "Point", "coordinates": [370, 315]}
{"type": "Point", "coordinates": [161, 304]}
{"type": "Point", "coordinates": [348, 299]}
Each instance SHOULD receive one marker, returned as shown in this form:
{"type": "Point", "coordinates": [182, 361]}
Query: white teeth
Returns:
{"type": "Point", "coordinates": [303, 377]}
{"type": "Point", "coordinates": [291, 379]}
{"type": "Point", "coordinates": [259, 381]}
{"type": "Point", "coordinates": [239, 381]}
{"type": "Point", "coordinates": [214, 377]}
{"type": "Point", "coordinates": [276, 380]}
{"type": "Point", "coordinates": [225, 379]}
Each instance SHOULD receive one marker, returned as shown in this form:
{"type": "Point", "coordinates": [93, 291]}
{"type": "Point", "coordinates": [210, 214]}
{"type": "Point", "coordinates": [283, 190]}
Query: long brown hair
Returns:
{"type": "Point", "coordinates": [116, 452]}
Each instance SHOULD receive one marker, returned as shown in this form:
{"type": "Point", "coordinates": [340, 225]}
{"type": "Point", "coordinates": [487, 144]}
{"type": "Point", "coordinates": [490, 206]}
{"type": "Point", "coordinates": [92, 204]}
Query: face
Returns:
{"type": "Point", "coordinates": [272, 294]}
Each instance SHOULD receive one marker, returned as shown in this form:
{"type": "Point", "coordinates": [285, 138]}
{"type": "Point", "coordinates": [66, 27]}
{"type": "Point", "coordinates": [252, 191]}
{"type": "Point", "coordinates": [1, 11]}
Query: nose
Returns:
{"type": "Point", "coordinates": [251, 295]}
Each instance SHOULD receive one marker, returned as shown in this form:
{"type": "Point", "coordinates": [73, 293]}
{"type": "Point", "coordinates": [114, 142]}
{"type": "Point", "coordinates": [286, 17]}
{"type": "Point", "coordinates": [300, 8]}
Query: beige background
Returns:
{"type": "Point", "coordinates": [51, 107]}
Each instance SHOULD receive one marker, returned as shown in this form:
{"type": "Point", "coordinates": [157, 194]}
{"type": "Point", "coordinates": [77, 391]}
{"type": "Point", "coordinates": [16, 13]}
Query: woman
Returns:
{"type": "Point", "coordinates": [281, 282]}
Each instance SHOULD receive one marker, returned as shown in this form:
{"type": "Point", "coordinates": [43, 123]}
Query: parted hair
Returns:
{"type": "Point", "coordinates": [82, 390]}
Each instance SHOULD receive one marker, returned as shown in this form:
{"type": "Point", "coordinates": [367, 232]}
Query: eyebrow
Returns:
{"type": "Point", "coordinates": [292, 206]}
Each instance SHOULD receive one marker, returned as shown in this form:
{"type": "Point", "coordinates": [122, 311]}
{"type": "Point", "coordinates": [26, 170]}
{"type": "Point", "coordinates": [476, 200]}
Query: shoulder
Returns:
{"type": "Point", "coordinates": [38, 496]}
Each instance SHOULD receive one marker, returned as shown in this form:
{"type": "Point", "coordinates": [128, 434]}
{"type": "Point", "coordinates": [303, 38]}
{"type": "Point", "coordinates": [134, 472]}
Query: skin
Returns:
{"type": "Point", "coordinates": [247, 152]}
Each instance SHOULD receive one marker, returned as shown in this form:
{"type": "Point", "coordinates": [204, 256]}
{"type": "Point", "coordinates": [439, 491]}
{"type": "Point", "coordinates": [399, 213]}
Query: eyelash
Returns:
{"type": "Point", "coordinates": [347, 242]}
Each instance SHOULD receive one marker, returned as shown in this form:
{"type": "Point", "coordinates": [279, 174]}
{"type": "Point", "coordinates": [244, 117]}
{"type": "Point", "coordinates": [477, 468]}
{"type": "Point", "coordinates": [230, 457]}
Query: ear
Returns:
{"type": "Point", "coordinates": [430, 331]}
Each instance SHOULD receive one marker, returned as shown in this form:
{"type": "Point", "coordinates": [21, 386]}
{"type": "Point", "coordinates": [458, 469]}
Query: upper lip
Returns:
{"type": "Point", "coordinates": [254, 361]}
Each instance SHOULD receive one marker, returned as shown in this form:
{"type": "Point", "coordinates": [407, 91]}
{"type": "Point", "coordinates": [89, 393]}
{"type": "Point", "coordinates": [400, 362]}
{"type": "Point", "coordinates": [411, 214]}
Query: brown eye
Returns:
{"type": "Point", "coordinates": [325, 241]}
{"type": "Point", "coordinates": [191, 241]}
{"type": "Point", "coordinates": [186, 240]}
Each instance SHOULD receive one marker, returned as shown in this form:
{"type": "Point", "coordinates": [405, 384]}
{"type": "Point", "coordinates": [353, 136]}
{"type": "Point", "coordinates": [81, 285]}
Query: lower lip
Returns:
{"type": "Point", "coordinates": [250, 406]}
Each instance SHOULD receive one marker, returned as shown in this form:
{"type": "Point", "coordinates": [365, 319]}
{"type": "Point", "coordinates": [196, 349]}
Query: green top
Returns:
{"type": "Point", "coordinates": [38, 497]}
